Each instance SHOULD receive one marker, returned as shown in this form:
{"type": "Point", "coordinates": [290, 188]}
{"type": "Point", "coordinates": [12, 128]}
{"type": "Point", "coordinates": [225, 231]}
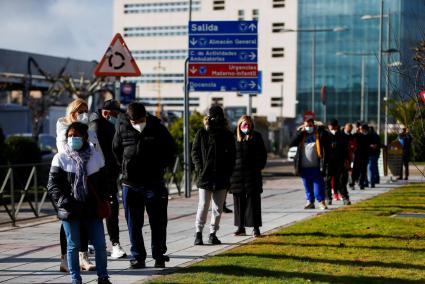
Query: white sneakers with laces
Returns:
{"type": "Point", "coordinates": [117, 251]}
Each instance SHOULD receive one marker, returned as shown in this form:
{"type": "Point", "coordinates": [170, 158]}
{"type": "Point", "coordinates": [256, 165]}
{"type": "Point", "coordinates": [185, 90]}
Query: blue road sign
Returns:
{"type": "Point", "coordinates": [223, 27]}
{"type": "Point", "coordinates": [223, 56]}
{"type": "Point", "coordinates": [233, 44]}
{"type": "Point", "coordinates": [243, 85]}
{"type": "Point", "coordinates": [223, 41]}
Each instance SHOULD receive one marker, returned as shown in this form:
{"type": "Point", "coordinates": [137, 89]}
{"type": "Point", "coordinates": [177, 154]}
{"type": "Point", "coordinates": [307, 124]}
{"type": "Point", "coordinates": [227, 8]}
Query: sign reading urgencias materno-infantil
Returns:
{"type": "Point", "coordinates": [223, 56]}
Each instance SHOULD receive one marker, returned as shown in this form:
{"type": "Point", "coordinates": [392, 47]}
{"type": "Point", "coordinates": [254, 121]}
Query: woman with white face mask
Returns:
{"type": "Point", "coordinates": [76, 184]}
{"type": "Point", "coordinates": [77, 111]}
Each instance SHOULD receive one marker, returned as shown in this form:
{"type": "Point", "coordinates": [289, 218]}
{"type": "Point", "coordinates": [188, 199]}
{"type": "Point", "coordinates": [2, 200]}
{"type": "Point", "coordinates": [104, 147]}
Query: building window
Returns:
{"type": "Point", "coordinates": [278, 27]}
{"type": "Point", "coordinates": [276, 102]}
{"type": "Point", "coordinates": [155, 31]}
{"type": "Point", "coordinates": [278, 3]}
{"type": "Point", "coordinates": [278, 52]}
{"type": "Point", "coordinates": [164, 7]}
{"type": "Point", "coordinates": [154, 78]}
{"type": "Point", "coordinates": [217, 101]}
{"type": "Point", "coordinates": [277, 77]}
{"type": "Point", "coordinates": [241, 15]}
{"type": "Point", "coordinates": [160, 54]}
{"type": "Point", "coordinates": [219, 5]}
{"type": "Point", "coordinates": [255, 14]}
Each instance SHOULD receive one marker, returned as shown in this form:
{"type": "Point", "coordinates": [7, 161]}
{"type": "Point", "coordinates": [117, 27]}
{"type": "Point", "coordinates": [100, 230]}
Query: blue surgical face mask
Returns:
{"type": "Point", "coordinates": [309, 129]}
{"type": "Point", "coordinates": [113, 120]}
{"type": "Point", "coordinates": [75, 143]}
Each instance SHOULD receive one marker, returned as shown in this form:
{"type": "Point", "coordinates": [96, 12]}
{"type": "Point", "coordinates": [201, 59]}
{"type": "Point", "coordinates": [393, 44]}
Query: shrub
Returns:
{"type": "Point", "coordinates": [22, 150]}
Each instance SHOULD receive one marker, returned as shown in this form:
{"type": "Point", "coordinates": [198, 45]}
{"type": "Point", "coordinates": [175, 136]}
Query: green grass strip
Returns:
{"type": "Point", "coordinates": [361, 243]}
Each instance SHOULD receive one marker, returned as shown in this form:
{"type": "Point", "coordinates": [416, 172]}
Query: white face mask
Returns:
{"type": "Point", "coordinates": [139, 127]}
{"type": "Point", "coordinates": [333, 131]}
{"type": "Point", "coordinates": [83, 118]}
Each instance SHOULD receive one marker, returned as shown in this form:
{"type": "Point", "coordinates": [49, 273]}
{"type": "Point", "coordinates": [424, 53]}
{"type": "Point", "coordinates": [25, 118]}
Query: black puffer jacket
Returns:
{"type": "Point", "coordinates": [105, 132]}
{"type": "Point", "coordinates": [143, 156]}
{"type": "Point", "coordinates": [61, 179]}
{"type": "Point", "coordinates": [213, 154]}
{"type": "Point", "coordinates": [251, 158]}
{"type": "Point", "coordinates": [338, 152]}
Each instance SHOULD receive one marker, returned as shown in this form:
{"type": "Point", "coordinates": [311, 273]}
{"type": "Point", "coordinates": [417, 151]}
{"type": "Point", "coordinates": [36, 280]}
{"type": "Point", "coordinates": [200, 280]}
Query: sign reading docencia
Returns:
{"type": "Point", "coordinates": [117, 60]}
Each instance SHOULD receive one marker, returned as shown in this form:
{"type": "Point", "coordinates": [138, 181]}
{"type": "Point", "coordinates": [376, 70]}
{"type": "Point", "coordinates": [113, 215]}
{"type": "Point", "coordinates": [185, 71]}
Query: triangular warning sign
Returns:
{"type": "Point", "coordinates": [117, 60]}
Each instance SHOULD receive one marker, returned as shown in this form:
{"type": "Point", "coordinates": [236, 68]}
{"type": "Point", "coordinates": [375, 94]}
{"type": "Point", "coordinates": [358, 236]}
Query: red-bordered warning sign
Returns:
{"type": "Point", "coordinates": [117, 60]}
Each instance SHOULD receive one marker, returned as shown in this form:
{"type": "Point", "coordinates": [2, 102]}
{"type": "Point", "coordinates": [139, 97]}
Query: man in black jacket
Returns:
{"type": "Point", "coordinates": [213, 154]}
{"type": "Point", "coordinates": [374, 152]}
{"type": "Point", "coordinates": [361, 157]}
{"type": "Point", "coordinates": [103, 124]}
{"type": "Point", "coordinates": [338, 154]}
{"type": "Point", "coordinates": [144, 148]}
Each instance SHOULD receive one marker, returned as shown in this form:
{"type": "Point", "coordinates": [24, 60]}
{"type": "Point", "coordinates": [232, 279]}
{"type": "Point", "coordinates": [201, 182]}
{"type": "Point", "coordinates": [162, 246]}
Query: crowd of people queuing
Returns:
{"type": "Point", "coordinates": [331, 159]}
{"type": "Point", "coordinates": [112, 149]}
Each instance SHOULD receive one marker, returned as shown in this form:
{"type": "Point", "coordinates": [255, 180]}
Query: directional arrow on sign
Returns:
{"type": "Point", "coordinates": [193, 41]}
{"type": "Point", "coordinates": [193, 70]}
{"type": "Point", "coordinates": [252, 27]}
{"type": "Point", "coordinates": [252, 56]}
{"type": "Point", "coordinates": [252, 84]}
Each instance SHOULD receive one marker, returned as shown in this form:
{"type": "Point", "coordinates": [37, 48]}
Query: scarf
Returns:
{"type": "Point", "coordinates": [81, 157]}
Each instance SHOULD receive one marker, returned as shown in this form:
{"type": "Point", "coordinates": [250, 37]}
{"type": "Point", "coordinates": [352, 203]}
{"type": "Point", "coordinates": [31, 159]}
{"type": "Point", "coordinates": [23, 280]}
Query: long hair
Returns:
{"type": "Point", "coordinates": [73, 107]}
{"type": "Point", "coordinates": [239, 134]}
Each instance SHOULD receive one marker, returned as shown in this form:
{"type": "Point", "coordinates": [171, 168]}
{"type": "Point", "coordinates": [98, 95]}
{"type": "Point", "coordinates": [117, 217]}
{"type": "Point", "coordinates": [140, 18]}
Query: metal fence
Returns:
{"type": "Point", "coordinates": [22, 185]}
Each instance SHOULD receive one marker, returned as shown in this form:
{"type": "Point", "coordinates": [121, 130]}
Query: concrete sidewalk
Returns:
{"type": "Point", "coordinates": [32, 254]}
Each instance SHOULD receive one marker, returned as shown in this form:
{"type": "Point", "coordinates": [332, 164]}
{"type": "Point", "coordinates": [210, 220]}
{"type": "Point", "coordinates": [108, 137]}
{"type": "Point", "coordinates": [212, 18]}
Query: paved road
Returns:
{"type": "Point", "coordinates": [31, 254]}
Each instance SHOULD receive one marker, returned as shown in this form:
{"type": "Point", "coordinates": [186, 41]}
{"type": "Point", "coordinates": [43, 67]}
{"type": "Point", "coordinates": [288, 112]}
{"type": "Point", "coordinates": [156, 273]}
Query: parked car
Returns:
{"type": "Point", "coordinates": [291, 153]}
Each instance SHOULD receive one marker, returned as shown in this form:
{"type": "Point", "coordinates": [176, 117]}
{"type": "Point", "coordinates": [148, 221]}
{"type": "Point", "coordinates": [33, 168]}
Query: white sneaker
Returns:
{"type": "Point", "coordinates": [117, 251]}
{"type": "Point", "coordinates": [322, 205]}
{"type": "Point", "coordinates": [85, 263]}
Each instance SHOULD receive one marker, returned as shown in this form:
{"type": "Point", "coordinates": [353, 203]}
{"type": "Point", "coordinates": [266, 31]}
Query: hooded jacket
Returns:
{"type": "Point", "coordinates": [213, 154]}
{"type": "Point", "coordinates": [61, 179]}
{"type": "Point", "coordinates": [143, 157]}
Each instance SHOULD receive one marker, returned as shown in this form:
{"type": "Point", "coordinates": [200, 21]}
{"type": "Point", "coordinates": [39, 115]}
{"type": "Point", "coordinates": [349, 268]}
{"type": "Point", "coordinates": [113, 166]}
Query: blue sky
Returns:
{"type": "Point", "coordinates": [80, 29]}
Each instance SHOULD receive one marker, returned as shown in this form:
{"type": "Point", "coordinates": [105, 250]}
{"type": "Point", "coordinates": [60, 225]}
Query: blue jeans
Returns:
{"type": "Point", "coordinates": [96, 235]}
{"type": "Point", "coordinates": [155, 199]}
{"type": "Point", "coordinates": [314, 184]}
{"type": "Point", "coordinates": [373, 169]}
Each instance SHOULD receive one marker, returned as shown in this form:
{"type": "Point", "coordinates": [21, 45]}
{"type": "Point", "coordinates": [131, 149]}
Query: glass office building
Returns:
{"type": "Point", "coordinates": [334, 37]}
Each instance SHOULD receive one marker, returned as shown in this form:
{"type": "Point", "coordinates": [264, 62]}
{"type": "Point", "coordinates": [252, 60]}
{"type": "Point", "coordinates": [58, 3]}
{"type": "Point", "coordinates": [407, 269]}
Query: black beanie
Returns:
{"type": "Point", "coordinates": [216, 112]}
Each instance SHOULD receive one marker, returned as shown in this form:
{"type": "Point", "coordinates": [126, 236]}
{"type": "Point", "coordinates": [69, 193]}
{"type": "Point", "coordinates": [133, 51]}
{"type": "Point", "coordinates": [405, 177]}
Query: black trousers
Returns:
{"type": "Point", "coordinates": [84, 239]}
{"type": "Point", "coordinates": [112, 222]}
{"type": "Point", "coordinates": [360, 171]}
{"type": "Point", "coordinates": [405, 164]}
{"type": "Point", "coordinates": [155, 200]}
{"type": "Point", "coordinates": [336, 175]}
{"type": "Point", "coordinates": [247, 209]}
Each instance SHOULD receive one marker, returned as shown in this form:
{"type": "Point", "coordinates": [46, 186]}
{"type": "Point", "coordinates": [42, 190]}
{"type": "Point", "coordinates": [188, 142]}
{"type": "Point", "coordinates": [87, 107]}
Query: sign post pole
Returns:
{"type": "Point", "coordinates": [117, 88]}
{"type": "Point", "coordinates": [186, 146]}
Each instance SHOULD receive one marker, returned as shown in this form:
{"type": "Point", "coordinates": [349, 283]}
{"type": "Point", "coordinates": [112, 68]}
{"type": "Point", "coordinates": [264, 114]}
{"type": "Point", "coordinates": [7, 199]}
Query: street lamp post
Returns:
{"type": "Point", "coordinates": [313, 55]}
{"type": "Point", "coordinates": [381, 18]}
{"type": "Point", "coordinates": [363, 72]}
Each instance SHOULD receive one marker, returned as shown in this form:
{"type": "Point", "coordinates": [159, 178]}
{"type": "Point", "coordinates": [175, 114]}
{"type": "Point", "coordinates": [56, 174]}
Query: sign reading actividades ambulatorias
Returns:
{"type": "Point", "coordinates": [223, 56]}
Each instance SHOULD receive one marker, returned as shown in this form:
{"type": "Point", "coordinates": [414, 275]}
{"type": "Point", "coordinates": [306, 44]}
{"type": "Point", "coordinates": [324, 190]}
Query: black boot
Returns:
{"type": "Point", "coordinates": [225, 209]}
{"type": "Point", "coordinates": [198, 239]}
{"type": "Point", "coordinates": [214, 240]}
{"type": "Point", "coordinates": [103, 280]}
